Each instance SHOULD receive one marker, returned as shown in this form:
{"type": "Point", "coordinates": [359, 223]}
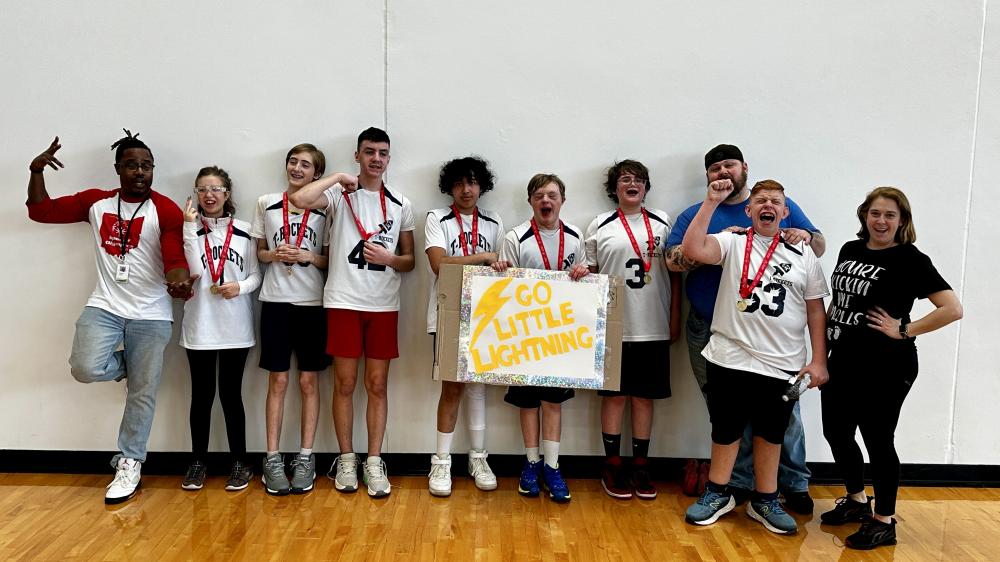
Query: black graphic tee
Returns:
{"type": "Point", "coordinates": [892, 278]}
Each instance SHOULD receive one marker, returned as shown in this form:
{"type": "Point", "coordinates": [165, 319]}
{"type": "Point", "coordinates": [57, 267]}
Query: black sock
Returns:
{"type": "Point", "coordinates": [640, 448]}
{"type": "Point", "coordinates": [717, 488]}
{"type": "Point", "coordinates": [612, 444]}
{"type": "Point", "coordinates": [762, 497]}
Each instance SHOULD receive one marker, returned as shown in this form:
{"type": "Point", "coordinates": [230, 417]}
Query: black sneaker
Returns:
{"type": "Point", "coordinates": [799, 502]}
{"type": "Point", "coordinates": [846, 511]}
{"type": "Point", "coordinates": [195, 477]}
{"type": "Point", "coordinates": [871, 534]}
{"type": "Point", "coordinates": [239, 477]}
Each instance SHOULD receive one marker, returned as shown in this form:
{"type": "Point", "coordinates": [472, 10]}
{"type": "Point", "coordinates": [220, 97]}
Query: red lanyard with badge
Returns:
{"type": "Point", "coordinates": [121, 272]}
{"type": "Point", "coordinates": [288, 232]}
{"type": "Point", "coordinates": [217, 273]}
{"type": "Point", "coordinates": [746, 285]}
{"type": "Point", "coordinates": [461, 230]}
{"type": "Point", "coordinates": [541, 246]}
{"type": "Point", "coordinates": [646, 265]}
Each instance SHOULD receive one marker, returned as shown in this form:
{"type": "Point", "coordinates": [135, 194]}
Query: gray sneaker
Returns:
{"type": "Point", "coordinates": [376, 478]}
{"type": "Point", "coordinates": [274, 478]}
{"type": "Point", "coordinates": [303, 473]}
{"type": "Point", "coordinates": [344, 473]}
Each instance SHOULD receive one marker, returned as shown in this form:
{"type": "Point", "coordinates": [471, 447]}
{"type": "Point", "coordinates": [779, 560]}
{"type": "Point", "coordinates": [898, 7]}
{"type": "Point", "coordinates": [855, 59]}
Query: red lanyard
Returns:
{"type": "Point", "coordinates": [217, 273]}
{"type": "Point", "coordinates": [747, 286]}
{"type": "Point", "coordinates": [365, 235]}
{"type": "Point", "coordinates": [635, 245]}
{"type": "Point", "coordinates": [541, 247]}
{"type": "Point", "coordinates": [461, 231]}
{"type": "Point", "coordinates": [284, 219]}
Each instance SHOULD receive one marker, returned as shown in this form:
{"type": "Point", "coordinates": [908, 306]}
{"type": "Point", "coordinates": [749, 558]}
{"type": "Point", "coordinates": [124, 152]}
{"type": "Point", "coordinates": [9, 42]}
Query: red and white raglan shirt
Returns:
{"type": "Point", "coordinates": [212, 321]}
{"type": "Point", "coordinates": [767, 337]}
{"type": "Point", "coordinates": [300, 284]}
{"type": "Point", "coordinates": [520, 247]}
{"type": "Point", "coordinates": [443, 230]}
{"type": "Point", "coordinates": [353, 283]}
{"type": "Point", "coordinates": [153, 247]}
{"type": "Point", "coordinates": [610, 250]}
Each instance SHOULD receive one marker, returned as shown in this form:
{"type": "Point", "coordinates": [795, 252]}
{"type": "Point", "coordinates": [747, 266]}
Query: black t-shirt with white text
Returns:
{"type": "Point", "coordinates": [892, 278]}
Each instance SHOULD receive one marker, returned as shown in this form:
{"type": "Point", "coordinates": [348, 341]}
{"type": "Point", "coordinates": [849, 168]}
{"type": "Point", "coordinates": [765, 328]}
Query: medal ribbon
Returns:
{"type": "Point", "coordinates": [365, 235]}
{"type": "Point", "coordinates": [541, 247]}
{"type": "Point", "coordinates": [461, 230]}
{"type": "Point", "coordinates": [284, 219]}
{"type": "Point", "coordinates": [217, 273]}
{"type": "Point", "coordinates": [631, 237]}
{"type": "Point", "coordinates": [746, 286]}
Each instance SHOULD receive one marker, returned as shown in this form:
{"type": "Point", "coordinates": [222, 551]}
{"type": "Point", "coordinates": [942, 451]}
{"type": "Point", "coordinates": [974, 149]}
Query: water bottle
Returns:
{"type": "Point", "coordinates": [796, 387]}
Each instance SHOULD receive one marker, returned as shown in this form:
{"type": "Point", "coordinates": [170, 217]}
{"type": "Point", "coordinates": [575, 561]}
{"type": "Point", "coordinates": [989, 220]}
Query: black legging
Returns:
{"type": "Point", "coordinates": [231, 363]}
{"type": "Point", "coordinates": [868, 397]}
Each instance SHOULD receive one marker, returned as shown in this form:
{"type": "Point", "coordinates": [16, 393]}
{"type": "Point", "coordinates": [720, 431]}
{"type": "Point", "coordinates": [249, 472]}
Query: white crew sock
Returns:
{"type": "Point", "coordinates": [551, 449]}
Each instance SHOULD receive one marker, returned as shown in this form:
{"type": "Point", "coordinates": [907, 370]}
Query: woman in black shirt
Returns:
{"type": "Point", "coordinates": [873, 358]}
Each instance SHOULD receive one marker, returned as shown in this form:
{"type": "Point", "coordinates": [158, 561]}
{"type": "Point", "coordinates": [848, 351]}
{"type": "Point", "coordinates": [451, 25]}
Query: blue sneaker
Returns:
{"type": "Point", "coordinates": [532, 471]}
{"type": "Point", "coordinates": [712, 505]}
{"type": "Point", "coordinates": [772, 516]}
{"type": "Point", "coordinates": [554, 483]}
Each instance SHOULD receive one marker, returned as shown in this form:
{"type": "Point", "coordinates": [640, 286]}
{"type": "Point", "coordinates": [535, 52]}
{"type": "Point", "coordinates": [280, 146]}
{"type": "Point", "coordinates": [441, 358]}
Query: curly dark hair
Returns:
{"type": "Point", "coordinates": [127, 142]}
{"type": "Point", "coordinates": [618, 169]}
{"type": "Point", "coordinates": [471, 168]}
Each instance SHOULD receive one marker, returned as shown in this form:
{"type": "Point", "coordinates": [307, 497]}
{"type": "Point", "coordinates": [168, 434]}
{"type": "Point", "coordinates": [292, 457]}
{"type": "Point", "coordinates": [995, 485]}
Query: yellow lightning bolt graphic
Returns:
{"type": "Point", "coordinates": [488, 306]}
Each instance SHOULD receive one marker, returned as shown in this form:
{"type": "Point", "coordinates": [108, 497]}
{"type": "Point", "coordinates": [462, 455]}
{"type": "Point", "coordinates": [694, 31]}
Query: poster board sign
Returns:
{"type": "Point", "coordinates": [528, 327]}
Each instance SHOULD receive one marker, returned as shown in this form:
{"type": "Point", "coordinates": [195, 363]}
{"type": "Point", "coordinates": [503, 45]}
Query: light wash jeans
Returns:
{"type": "Point", "coordinates": [793, 474]}
{"type": "Point", "coordinates": [95, 359]}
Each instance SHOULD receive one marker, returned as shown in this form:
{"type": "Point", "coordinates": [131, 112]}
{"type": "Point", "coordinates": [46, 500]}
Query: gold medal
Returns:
{"type": "Point", "coordinates": [288, 270]}
{"type": "Point", "coordinates": [648, 278]}
{"type": "Point", "coordinates": [214, 288]}
{"type": "Point", "coordinates": [741, 305]}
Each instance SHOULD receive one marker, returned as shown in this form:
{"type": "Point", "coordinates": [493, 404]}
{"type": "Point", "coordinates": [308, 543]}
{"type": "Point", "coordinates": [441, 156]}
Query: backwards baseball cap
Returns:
{"type": "Point", "coordinates": [723, 152]}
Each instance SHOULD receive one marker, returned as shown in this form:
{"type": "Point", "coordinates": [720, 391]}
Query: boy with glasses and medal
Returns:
{"type": "Point", "coordinates": [771, 291]}
{"type": "Point", "coordinates": [371, 236]}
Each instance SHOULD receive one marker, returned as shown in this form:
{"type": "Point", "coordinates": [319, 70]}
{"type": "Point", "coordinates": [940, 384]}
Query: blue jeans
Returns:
{"type": "Point", "coordinates": [793, 474]}
{"type": "Point", "coordinates": [94, 359]}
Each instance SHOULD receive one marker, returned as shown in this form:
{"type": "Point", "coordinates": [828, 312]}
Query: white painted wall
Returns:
{"type": "Point", "coordinates": [830, 99]}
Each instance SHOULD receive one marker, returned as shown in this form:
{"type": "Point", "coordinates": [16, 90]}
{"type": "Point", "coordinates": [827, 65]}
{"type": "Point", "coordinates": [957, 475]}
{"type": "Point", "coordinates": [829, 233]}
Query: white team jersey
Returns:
{"type": "Point", "coordinates": [353, 283]}
{"type": "Point", "coordinates": [647, 305]}
{"type": "Point", "coordinates": [769, 336]}
{"type": "Point", "coordinates": [521, 249]}
{"type": "Point", "coordinates": [304, 284]}
{"type": "Point", "coordinates": [441, 231]}
{"type": "Point", "coordinates": [212, 321]}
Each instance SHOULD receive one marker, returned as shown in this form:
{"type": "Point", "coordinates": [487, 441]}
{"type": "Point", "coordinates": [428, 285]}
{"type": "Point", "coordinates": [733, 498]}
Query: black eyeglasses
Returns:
{"type": "Point", "coordinates": [132, 166]}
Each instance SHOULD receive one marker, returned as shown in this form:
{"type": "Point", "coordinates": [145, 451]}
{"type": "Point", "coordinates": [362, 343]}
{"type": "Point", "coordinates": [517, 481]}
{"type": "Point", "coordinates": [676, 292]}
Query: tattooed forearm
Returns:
{"type": "Point", "coordinates": [677, 261]}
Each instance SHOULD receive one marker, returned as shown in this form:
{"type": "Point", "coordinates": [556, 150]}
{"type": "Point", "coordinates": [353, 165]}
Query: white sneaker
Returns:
{"type": "Point", "coordinates": [376, 478]}
{"type": "Point", "coordinates": [480, 470]}
{"type": "Point", "coordinates": [344, 473]}
{"type": "Point", "coordinates": [439, 480]}
{"type": "Point", "coordinates": [125, 482]}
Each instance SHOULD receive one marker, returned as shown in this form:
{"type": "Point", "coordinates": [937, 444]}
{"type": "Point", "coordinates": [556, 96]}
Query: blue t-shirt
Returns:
{"type": "Point", "coordinates": [703, 282]}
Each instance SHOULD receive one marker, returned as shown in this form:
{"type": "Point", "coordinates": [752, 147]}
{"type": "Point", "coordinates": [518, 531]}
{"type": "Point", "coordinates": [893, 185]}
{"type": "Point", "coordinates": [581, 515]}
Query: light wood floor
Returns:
{"type": "Point", "coordinates": [62, 517]}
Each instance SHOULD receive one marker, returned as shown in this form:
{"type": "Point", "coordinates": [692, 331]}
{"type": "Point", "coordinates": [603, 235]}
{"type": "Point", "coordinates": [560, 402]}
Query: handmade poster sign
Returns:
{"type": "Point", "coordinates": [528, 327]}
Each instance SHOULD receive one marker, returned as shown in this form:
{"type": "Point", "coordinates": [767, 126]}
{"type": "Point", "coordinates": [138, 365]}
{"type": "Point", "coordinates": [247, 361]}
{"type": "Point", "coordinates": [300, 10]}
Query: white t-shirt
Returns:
{"type": "Point", "coordinates": [441, 230]}
{"type": "Point", "coordinates": [212, 321]}
{"type": "Point", "coordinates": [299, 284]}
{"type": "Point", "coordinates": [520, 247]}
{"type": "Point", "coordinates": [768, 337]}
{"type": "Point", "coordinates": [353, 283]}
{"type": "Point", "coordinates": [647, 305]}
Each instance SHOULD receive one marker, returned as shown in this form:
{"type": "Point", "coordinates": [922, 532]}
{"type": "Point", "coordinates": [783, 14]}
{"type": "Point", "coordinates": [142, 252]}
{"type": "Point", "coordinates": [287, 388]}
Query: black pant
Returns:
{"type": "Point", "coordinates": [231, 363]}
{"type": "Point", "coordinates": [866, 392]}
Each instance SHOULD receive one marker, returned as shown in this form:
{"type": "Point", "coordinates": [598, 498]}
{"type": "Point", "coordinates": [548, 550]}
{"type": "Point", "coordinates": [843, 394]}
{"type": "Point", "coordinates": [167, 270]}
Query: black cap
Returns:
{"type": "Point", "coordinates": [723, 152]}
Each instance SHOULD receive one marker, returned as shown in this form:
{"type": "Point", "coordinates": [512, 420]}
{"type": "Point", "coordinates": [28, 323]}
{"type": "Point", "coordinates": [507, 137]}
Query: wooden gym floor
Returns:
{"type": "Point", "coordinates": [63, 517]}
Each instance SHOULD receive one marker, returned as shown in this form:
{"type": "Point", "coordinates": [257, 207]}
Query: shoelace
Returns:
{"type": "Point", "coordinates": [557, 480]}
{"type": "Point", "coordinates": [479, 466]}
{"type": "Point", "coordinates": [124, 475]}
{"type": "Point", "coordinates": [302, 465]}
{"type": "Point", "coordinates": [275, 467]}
{"type": "Point", "coordinates": [237, 471]}
{"type": "Point", "coordinates": [347, 467]}
{"type": "Point", "coordinates": [194, 469]}
{"type": "Point", "coordinates": [711, 499]}
{"type": "Point", "coordinates": [439, 471]}
{"type": "Point", "coordinates": [767, 508]}
{"type": "Point", "coordinates": [374, 471]}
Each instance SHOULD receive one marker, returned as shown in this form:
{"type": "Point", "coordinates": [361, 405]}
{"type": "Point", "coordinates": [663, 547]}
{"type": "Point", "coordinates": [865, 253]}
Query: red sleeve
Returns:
{"type": "Point", "coordinates": [71, 208]}
{"type": "Point", "coordinates": [171, 232]}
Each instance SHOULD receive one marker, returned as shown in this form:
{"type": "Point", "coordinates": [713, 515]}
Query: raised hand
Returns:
{"type": "Point", "coordinates": [190, 211]}
{"type": "Point", "coordinates": [719, 190]}
{"type": "Point", "coordinates": [47, 158]}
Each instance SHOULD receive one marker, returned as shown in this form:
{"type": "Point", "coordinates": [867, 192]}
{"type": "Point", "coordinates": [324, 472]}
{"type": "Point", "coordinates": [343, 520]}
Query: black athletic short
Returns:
{"type": "Point", "coordinates": [645, 370]}
{"type": "Point", "coordinates": [736, 398]}
{"type": "Point", "coordinates": [533, 396]}
{"type": "Point", "coordinates": [284, 328]}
